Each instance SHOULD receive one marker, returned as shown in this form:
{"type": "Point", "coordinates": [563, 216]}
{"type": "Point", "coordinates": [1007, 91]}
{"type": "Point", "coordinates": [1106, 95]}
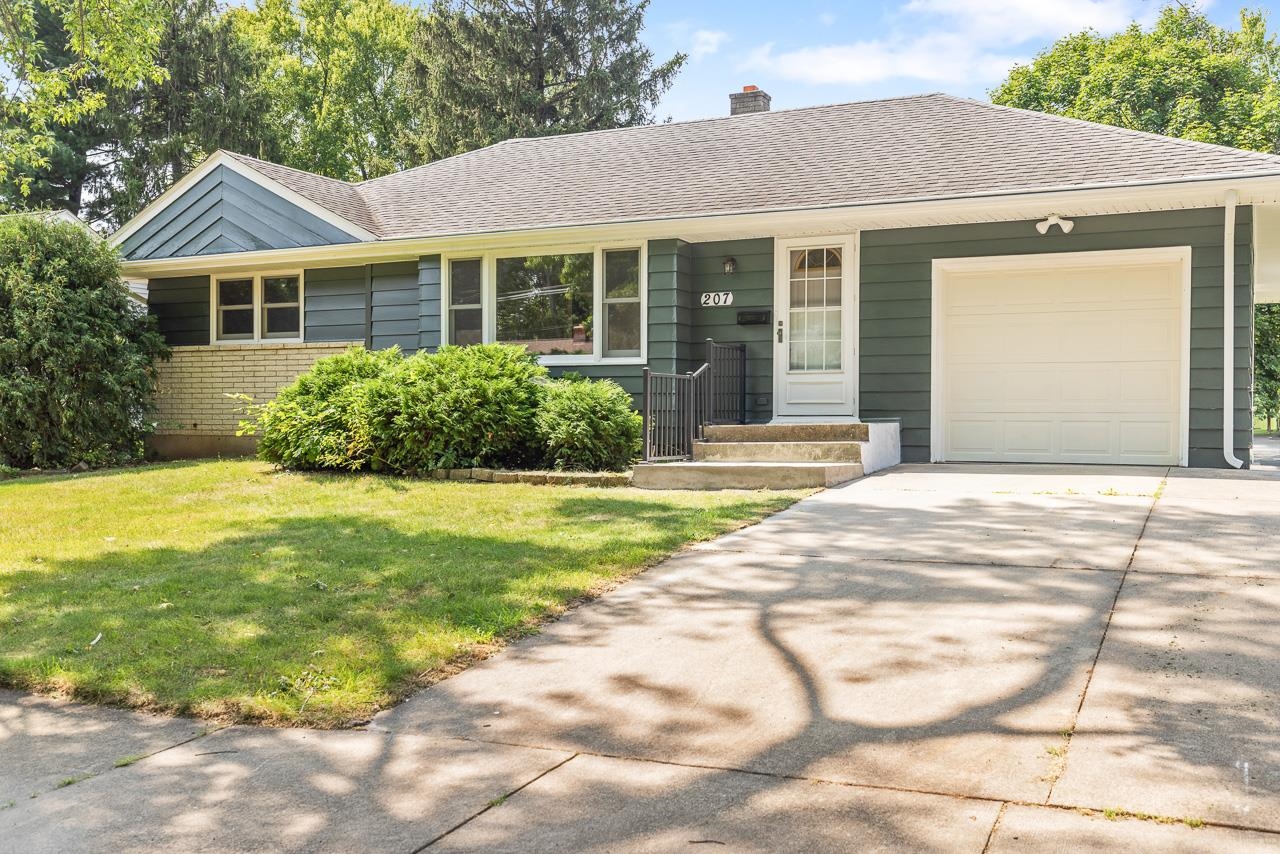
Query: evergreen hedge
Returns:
{"type": "Point", "coordinates": [77, 353]}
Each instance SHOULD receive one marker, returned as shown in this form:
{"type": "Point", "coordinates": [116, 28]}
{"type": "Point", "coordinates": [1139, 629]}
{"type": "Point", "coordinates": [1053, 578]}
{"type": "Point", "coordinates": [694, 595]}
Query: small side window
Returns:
{"type": "Point", "coordinates": [235, 309]}
{"type": "Point", "coordinates": [622, 322]}
{"type": "Point", "coordinates": [466, 317]}
{"type": "Point", "coordinates": [281, 310]}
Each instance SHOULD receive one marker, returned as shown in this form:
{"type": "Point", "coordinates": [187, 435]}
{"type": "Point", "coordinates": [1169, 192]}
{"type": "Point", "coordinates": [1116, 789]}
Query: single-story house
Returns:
{"type": "Point", "coordinates": [1008, 285]}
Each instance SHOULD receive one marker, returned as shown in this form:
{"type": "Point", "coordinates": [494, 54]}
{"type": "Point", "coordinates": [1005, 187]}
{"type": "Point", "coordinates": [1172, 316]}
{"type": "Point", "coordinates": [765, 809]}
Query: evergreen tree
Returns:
{"type": "Point", "coordinates": [481, 71]}
{"type": "Point", "coordinates": [211, 98]}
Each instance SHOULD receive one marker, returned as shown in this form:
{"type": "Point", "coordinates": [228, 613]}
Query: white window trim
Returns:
{"type": "Point", "coordinates": [257, 308]}
{"type": "Point", "coordinates": [488, 296]}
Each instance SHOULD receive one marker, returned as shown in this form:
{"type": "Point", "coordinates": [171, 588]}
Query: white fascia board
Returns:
{"type": "Point", "coordinates": [793, 223]}
{"type": "Point", "coordinates": [222, 158]}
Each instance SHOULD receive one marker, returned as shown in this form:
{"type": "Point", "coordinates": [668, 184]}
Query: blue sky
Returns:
{"type": "Point", "coordinates": [805, 52]}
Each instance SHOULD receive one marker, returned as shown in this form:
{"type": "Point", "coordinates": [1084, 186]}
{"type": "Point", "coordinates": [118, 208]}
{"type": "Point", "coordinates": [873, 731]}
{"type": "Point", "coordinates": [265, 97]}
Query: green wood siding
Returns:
{"type": "Point", "coordinates": [752, 287]}
{"type": "Point", "coordinates": [670, 305]}
{"type": "Point", "coordinates": [337, 304]}
{"type": "Point", "coordinates": [429, 312]}
{"type": "Point", "coordinates": [226, 212]}
{"type": "Point", "coordinates": [394, 306]}
{"type": "Point", "coordinates": [181, 308]}
{"type": "Point", "coordinates": [896, 288]}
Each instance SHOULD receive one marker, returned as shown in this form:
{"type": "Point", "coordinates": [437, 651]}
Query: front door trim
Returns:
{"type": "Point", "coordinates": [782, 247]}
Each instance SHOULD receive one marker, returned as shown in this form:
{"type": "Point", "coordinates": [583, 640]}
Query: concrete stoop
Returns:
{"type": "Point", "coordinates": [777, 456]}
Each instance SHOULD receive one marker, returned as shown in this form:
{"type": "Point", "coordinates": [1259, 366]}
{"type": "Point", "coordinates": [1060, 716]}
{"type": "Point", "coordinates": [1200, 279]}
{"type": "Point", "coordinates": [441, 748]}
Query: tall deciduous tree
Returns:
{"type": "Point", "coordinates": [112, 45]}
{"type": "Point", "coordinates": [331, 77]}
{"type": "Point", "coordinates": [481, 71]}
{"type": "Point", "coordinates": [1185, 77]}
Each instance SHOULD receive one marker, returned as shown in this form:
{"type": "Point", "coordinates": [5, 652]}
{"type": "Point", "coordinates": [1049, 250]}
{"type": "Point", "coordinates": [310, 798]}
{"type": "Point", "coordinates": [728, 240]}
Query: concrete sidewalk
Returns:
{"type": "Point", "coordinates": [936, 658]}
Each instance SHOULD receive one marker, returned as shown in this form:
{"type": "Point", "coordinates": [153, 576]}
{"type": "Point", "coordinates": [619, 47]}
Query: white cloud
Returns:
{"type": "Point", "coordinates": [952, 42]}
{"type": "Point", "coordinates": [707, 42]}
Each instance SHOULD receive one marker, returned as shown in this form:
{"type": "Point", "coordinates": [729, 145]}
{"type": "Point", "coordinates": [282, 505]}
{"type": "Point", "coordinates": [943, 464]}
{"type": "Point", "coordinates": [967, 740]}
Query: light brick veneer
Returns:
{"type": "Point", "coordinates": [192, 387]}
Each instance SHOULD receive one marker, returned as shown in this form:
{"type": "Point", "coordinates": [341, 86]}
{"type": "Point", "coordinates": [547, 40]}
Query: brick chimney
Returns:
{"type": "Point", "coordinates": [752, 99]}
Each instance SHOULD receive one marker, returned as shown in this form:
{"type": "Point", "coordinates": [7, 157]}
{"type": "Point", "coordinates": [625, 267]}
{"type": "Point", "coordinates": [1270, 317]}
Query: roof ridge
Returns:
{"type": "Point", "coordinates": [1118, 129]}
{"type": "Point", "coordinates": [685, 123]}
{"type": "Point", "coordinates": [739, 116]}
{"type": "Point", "coordinates": [250, 160]}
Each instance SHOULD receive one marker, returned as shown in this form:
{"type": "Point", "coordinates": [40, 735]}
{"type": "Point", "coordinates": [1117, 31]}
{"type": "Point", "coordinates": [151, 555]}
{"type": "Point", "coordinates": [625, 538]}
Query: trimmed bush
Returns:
{"type": "Point", "coordinates": [588, 425]}
{"type": "Point", "coordinates": [458, 408]}
{"type": "Point", "coordinates": [486, 406]}
{"type": "Point", "coordinates": [77, 354]}
{"type": "Point", "coordinates": [322, 420]}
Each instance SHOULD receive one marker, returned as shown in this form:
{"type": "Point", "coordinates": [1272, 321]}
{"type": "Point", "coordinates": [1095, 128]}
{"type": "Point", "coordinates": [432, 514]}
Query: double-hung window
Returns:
{"type": "Point", "coordinates": [258, 308]}
{"type": "Point", "coordinates": [566, 307]}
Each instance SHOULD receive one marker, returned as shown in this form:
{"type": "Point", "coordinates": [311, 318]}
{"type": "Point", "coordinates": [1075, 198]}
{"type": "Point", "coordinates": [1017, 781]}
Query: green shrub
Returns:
{"type": "Point", "coordinates": [322, 420]}
{"type": "Point", "coordinates": [588, 425]}
{"type": "Point", "coordinates": [458, 408]}
{"type": "Point", "coordinates": [77, 354]}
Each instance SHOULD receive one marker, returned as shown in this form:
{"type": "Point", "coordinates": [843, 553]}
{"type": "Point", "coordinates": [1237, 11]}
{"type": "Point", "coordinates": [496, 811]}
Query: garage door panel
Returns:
{"type": "Point", "coordinates": [1153, 388]}
{"type": "Point", "coordinates": [1155, 439]}
{"type": "Point", "coordinates": [1029, 437]}
{"type": "Point", "coordinates": [1092, 437]}
{"type": "Point", "coordinates": [975, 436]}
{"type": "Point", "coordinates": [1072, 364]}
{"type": "Point", "coordinates": [1089, 387]}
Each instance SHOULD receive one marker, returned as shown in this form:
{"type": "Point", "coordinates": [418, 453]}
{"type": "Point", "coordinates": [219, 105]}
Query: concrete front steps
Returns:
{"type": "Point", "coordinates": [775, 456]}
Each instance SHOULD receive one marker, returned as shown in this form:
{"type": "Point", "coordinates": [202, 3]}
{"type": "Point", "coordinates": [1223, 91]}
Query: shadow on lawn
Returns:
{"type": "Point", "coordinates": [942, 677]}
{"type": "Point", "coordinates": [360, 607]}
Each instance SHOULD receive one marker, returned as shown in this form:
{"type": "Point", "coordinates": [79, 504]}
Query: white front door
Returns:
{"type": "Point", "coordinates": [815, 311]}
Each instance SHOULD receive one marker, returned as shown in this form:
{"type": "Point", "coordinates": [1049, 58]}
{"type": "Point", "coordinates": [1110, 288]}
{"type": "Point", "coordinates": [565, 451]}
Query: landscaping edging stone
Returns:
{"type": "Point", "coordinates": [548, 478]}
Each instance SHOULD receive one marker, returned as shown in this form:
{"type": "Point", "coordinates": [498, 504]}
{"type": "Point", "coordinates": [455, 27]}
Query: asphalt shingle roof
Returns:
{"type": "Point", "coordinates": [862, 153]}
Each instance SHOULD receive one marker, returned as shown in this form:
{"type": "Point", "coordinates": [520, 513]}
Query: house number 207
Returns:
{"type": "Point", "coordinates": [717, 298]}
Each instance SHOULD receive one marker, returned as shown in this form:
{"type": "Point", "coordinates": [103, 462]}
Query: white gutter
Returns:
{"type": "Point", "coordinates": [1229, 332]}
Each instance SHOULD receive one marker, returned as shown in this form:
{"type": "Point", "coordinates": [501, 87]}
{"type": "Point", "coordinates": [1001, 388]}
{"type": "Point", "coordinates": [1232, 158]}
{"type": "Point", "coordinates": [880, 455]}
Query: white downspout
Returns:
{"type": "Point", "coordinates": [1229, 332]}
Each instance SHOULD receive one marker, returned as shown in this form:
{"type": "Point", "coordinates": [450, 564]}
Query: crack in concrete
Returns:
{"type": "Point", "coordinates": [495, 802]}
{"type": "Point", "coordinates": [876, 787]}
{"type": "Point", "coordinates": [1102, 640]}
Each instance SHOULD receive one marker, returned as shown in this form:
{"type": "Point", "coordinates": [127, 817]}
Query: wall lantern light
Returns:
{"type": "Point", "coordinates": [730, 266]}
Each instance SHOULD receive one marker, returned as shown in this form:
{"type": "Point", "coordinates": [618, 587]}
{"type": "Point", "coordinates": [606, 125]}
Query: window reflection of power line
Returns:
{"type": "Point", "coordinates": [532, 293]}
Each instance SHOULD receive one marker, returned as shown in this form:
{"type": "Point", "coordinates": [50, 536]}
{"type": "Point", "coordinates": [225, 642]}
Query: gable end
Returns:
{"type": "Point", "coordinates": [226, 212]}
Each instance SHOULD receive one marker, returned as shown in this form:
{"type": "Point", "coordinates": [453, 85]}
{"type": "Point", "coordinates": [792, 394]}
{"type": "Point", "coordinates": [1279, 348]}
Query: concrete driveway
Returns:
{"type": "Point", "coordinates": [949, 658]}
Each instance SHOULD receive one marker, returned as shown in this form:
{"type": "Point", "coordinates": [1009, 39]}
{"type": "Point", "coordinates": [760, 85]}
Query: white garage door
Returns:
{"type": "Point", "coordinates": [1061, 358]}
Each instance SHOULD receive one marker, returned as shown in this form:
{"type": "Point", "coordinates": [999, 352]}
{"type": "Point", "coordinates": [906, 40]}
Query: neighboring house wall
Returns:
{"type": "Point", "coordinates": [226, 212]}
{"type": "Point", "coordinates": [195, 416]}
{"type": "Point", "coordinates": [896, 287]}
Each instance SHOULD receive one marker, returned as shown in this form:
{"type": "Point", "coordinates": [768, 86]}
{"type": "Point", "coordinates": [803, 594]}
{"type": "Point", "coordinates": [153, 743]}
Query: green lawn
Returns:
{"type": "Point", "coordinates": [1260, 426]}
{"type": "Point", "coordinates": [228, 590]}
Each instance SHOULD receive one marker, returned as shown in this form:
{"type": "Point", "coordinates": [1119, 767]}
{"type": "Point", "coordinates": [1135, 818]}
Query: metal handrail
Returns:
{"type": "Point", "coordinates": [678, 406]}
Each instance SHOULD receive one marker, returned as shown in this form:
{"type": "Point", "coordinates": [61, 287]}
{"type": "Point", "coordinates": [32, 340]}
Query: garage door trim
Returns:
{"type": "Point", "coordinates": [942, 267]}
